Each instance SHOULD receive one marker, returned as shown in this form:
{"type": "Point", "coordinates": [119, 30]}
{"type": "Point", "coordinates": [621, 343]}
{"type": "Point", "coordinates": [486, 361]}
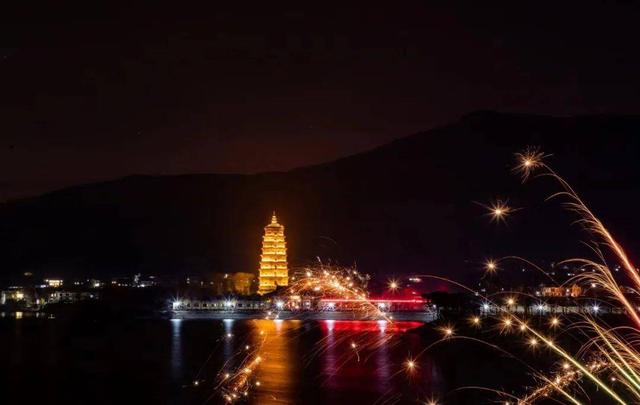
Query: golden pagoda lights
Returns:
{"type": "Point", "coordinates": [273, 270]}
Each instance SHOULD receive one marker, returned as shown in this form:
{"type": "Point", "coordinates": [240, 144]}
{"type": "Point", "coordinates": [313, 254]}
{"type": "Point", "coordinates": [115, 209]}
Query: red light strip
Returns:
{"type": "Point", "coordinates": [396, 301]}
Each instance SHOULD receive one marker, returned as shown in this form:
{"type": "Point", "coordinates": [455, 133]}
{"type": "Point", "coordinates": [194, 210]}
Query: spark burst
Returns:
{"type": "Point", "coordinates": [500, 210]}
{"type": "Point", "coordinates": [410, 365]}
{"type": "Point", "coordinates": [528, 161]}
{"type": "Point", "coordinates": [490, 266]}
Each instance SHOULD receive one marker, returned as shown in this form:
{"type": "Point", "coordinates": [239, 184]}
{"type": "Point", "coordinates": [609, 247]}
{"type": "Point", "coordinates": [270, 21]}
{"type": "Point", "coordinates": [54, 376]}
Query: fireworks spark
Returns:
{"type": "Point", "coordinates": [528, 161]}
{"type": "Point", "coordinates": [499, 211]}
{"type": "Point", "coordinates": [410, 365]}
{"type": "Point", "coordinates": [490, 266]}
{"type": "Point", "coordinates": [447, 331]}
{"type": "Point", "coordinates": [475, 321]}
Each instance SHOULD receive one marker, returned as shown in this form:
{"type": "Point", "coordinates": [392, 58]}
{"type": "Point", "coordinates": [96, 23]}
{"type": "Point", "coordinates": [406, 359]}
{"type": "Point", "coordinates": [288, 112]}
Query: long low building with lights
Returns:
{"type": "Point", "coordinates": [219, 304]}
{"type": "Point", "coordinates": [296, 303]}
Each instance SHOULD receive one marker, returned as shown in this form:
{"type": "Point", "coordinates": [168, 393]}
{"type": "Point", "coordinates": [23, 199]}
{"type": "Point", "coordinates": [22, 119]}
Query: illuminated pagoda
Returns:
{"type": "Point", "coordinates": [273, 260]}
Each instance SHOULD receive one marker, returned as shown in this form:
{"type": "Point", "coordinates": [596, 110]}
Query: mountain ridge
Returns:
{"type": "Point", "coordinates": [410, 206]}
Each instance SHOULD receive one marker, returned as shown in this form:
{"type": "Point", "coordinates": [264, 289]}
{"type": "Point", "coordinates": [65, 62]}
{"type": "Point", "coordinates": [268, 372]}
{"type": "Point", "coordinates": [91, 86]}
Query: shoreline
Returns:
{"type": "Point", "coordinates": [418, 316]}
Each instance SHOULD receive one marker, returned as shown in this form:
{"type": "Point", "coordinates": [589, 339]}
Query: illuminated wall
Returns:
{"type": "Point", "coordinates": [273, 261]}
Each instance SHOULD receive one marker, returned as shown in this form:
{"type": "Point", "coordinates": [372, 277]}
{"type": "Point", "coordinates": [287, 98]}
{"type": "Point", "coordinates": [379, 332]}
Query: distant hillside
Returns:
{"type": "Point", "coordinates": [404, 207]}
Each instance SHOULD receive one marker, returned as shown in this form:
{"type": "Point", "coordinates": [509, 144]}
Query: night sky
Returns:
{"type": "Point", "coordinates": [89, 94]}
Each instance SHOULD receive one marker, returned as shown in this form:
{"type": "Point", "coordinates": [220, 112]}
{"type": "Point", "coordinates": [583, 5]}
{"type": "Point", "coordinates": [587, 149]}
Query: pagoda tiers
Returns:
{"type": "Point", "coordinates": [273, 261]}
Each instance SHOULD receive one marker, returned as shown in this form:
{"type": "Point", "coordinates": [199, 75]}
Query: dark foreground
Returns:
{"type": "Point", "coordinates": [141, 361]}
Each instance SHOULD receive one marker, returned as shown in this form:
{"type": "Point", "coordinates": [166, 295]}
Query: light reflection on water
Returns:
{"type": "Point", "coordinates": [176, 349]}
{"type": "Point", "coordinates": [299, 356]}
{"type": "Point", "coordinates": [277, 372]}
{"type": "Point", "coordinates": [227, 338]}
{"type": "Point", "coordinates": [158, 360]}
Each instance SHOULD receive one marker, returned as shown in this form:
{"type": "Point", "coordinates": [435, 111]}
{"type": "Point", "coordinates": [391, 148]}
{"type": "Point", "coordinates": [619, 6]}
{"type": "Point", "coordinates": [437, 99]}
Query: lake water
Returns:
{"type": "Point", "coordinates": [140, 361]}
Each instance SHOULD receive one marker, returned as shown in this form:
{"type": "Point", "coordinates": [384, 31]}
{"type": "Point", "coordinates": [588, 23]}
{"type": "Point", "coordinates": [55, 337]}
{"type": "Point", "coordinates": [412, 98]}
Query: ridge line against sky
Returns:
{"type": "Point", "coordinates": [103, 92]}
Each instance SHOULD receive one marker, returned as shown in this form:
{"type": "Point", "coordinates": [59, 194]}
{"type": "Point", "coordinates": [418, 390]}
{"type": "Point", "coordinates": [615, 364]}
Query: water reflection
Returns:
{"type": "Point", "coordinates": [227, 347]}
{"type": "Point", "coordinates": [277, 373]}
{"type": "Point", "coordinates": [360, 351]}
{"type": "Point", "coordinates": [321, 362]}
{"type": "Point", "coordinates": [176, 349]}
{"type": "Point", "coordinates": [382, 361]}
{"type": "Point", "coordinates": [308, 362]}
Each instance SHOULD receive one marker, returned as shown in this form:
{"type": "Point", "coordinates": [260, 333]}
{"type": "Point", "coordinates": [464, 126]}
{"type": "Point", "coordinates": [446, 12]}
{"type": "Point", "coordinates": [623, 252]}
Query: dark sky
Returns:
{"type": "Point", "coordinates": [90, 94]}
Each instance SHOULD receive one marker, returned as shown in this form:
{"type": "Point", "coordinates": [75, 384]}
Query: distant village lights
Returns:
{"type": "Point", "coordinates": [54, 283]}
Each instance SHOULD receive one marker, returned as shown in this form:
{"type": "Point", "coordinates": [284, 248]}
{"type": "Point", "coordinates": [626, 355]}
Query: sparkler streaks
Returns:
{"type": "Point", "coordinates": [613, 350]}
{"type": "Point", "coordinates": [608, 357]}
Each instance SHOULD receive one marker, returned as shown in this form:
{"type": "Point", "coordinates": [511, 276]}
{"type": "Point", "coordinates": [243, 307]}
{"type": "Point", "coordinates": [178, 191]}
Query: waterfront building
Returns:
{"type": "Point", "coordinates": [555, 291]}
{"type": "Point", "coordinates": [15, 294]}
{"type": "Point", "coordinates": [229, 304]}
{"type": "Point", "coordinates": [54, 282]}
{"type": "Point", "coordinates": [239, 283]}
{"type": "Point", "coordinates": [273, 272]}
{"type": "Point", "coordinates": [20, 296]}
{"type": "Point", "coordinates": [68, 297]}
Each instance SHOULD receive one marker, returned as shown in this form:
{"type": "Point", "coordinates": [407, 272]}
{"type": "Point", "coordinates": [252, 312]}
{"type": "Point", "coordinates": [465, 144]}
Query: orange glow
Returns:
{"type": "Point", "coordinates": [274, 271]}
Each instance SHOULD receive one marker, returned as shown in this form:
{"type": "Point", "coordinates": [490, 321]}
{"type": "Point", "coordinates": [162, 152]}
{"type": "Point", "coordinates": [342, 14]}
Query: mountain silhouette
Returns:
{"type": "Point", "coordinates": [411, 206]}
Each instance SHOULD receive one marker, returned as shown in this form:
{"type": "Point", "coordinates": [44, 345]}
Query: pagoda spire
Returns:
{"type": "Point", "coordinates": [273, 270]}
